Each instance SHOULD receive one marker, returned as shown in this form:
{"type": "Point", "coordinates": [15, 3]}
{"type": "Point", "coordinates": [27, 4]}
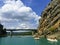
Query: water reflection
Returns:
{"type": "Point", "coordinates": [37, 42]}
{"type": "Point", "coordinates": [0, 40]}
{"type": "Point", "coordinates": [25, 40]}
{"type": "Point", "coordinates": [44, 41]}
{"type": "Point", "coordinates": [53, 42]}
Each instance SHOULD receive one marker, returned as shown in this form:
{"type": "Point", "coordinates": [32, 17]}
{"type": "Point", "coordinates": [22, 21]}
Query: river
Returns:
{"type": "Point", "coordinates": [25, 40]}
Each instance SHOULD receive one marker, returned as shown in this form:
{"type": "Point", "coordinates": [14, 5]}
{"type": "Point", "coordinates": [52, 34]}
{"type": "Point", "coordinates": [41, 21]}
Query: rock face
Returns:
{"type": "Point", "coordinates": [2, 31]}
{"type": "Point", "coordinates": [50, 19]}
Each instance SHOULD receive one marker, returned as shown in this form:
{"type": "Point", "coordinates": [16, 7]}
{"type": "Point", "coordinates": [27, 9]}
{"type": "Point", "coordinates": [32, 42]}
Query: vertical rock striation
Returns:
{"type": "Point", "coordinates": [50, 19]}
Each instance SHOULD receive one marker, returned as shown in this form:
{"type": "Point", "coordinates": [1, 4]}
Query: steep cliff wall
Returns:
{"type": "Point", "coordinates": [50, 19]}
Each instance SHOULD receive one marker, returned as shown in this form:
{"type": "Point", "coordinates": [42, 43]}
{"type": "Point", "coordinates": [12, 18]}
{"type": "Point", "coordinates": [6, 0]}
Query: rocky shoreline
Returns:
{"type": "Point", "coordinates": [55, 35]}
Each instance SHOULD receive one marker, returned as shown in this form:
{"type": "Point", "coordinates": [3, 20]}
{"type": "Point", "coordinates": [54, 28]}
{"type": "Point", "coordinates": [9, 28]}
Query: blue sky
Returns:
{"type": "Point", "coordinates": [21, 13]}
{"type": "Point", "coordinates": [37, 5]}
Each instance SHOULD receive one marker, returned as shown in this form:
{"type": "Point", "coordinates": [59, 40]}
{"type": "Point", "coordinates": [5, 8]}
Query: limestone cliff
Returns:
{"type": "Point", "coordinates": [50, 19]}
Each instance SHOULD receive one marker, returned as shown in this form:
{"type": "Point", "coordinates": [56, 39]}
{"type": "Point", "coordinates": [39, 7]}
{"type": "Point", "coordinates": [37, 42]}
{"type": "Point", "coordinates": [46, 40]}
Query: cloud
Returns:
{"type": "Point", "coordinates": [14, 14]}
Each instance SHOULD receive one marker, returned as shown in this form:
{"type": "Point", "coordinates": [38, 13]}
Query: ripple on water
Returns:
{"type": "Point", "coordinates": [25, 40]}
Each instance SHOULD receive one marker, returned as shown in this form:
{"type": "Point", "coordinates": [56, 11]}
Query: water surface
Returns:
{"type": "Point", "coordinates": [25, 40]}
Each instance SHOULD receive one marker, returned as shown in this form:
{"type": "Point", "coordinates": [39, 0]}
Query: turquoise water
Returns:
{"type": "Point", "coordinates": [25, 40]}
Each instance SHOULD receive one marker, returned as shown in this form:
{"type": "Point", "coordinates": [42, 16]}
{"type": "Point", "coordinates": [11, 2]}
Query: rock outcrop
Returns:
{"type": "Point", "coordinates": [50, 19]}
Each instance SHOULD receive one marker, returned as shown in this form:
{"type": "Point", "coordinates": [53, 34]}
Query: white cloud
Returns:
{"type": "Point", "coordinates": [14, 14]}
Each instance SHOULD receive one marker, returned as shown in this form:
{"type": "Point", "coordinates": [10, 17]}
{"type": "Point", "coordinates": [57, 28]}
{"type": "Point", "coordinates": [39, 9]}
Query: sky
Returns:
{"type": "Point", "coordinates": [21, 14]}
